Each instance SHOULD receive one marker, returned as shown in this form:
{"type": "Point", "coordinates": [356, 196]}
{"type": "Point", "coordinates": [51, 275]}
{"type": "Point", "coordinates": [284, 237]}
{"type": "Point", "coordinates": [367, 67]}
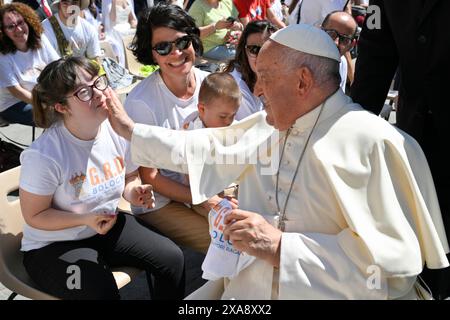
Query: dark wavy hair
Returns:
{"type": "Point", "coordinates": [240, 62]}
{"type": "Point", "coordinates": [54, 83]}
{"type": "Point", "coordinates": [162, 15]}
{"type": "Point", "coordinates": [31, 19]}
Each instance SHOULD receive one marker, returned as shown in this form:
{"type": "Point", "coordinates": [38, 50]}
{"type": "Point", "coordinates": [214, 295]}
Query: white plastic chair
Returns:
{"type": "Point", "coordinates": [12, 272]}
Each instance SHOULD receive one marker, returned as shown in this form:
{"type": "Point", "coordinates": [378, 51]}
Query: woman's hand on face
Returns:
{"type": "Point", "coordinates": [142, 196]}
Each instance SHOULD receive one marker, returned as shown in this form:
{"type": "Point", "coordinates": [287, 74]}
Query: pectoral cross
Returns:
{"type": "Point", "coordinates": [281, 223]}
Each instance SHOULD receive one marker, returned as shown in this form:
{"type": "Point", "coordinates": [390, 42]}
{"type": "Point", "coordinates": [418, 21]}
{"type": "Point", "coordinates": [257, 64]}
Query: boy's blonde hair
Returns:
{"type": "Point", "coordinates": [219, 85]}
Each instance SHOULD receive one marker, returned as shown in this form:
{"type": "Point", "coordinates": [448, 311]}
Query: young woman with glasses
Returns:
{"type": "Point", "coordinates": [243, 67]}
{"type": "Point", "coordinates": [168, 37]}
{"type": "Point", "coordinates": [72, 179]}
{"type": "Point", "coordinates": [24, 52]}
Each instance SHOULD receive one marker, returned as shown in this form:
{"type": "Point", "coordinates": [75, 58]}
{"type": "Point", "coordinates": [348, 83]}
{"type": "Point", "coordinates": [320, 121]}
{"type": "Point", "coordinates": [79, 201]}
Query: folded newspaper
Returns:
{"type": "Point", "coordinates": [222, 259]}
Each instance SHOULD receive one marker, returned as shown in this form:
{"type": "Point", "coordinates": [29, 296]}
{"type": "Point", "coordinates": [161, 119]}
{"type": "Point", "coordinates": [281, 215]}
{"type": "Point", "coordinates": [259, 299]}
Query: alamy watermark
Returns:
{"type": "Point", "coordinates": [373, 17]}
{"type": "Point", "coordinates": [73, 281]}
{"type": "Point", "coordinates": [74, 12]}
{"type": "Point", "coordinates": [236, 147]}
{"type": "Point", "coordinates": [74, 278]}
{"type": "Point", "coordinates": [373, 281]}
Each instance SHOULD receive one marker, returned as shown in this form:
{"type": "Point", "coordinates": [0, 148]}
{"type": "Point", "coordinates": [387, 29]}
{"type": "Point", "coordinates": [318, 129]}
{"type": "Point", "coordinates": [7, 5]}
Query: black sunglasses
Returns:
{"type": "Point", "coordinates": [165, 47]}
{"type": "Point", "coordinates": [253, 49]}
{"type": "Point", "coordinates": [344, 40]}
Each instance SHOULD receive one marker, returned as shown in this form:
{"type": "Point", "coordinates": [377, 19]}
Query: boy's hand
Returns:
{"type": "Point", "coordinates": [213, 201]}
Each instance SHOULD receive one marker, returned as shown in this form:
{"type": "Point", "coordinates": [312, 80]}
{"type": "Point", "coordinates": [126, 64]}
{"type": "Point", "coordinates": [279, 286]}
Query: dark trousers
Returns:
{"type": "Point", "coordinates": [81, 269]}
{"type": "Point", "coordinates": [434, 149]}
{"type": "Point", "coordinates": [21, 112]}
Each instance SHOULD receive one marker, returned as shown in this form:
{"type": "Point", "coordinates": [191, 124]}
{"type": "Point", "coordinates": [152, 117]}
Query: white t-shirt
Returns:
{"type": "Point", "coordinates": [314, 11]}
{"type": "Point", "coordinates": [89, 17]}
{"type": "Point", "coordinates": [83, 37]}
{"type": "Point", "coordinates": [121, 24]}
{"type": "Point", "coordinates": [151, 102]}
{"type": "Point", "coordinates": [250, 103]}
{"type": "Point", "coordinates": [83, 176]}
{"type": "Point", "coordinates": [193, 122]}
{"type": "Point", "coordinates": [277, 9]}
{"type": "Point", "coordinates": [23, 68]}
{"type": "Point", "coordinates": [343, 72]}
{"type": "Point", "coordinates": [178, 3]}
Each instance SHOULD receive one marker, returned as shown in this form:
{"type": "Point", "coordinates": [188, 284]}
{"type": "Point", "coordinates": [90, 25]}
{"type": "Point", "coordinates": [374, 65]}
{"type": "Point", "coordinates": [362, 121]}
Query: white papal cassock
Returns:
{"type": "Point", "coordinates": [362, 217]}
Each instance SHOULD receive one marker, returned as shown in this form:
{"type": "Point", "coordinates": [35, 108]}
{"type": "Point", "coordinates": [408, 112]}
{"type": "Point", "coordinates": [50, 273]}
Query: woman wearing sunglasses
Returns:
{"type": "Point", "coordinates": [167, 36]}
{"type": "Point", "coordinates": [243, 67]}
{"type": "Point", "coordinates": [72, 178]}
{"type": "Point", "coordinates": [24, 52]}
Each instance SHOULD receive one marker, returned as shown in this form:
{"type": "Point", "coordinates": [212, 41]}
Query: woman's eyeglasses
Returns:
{"type": "Point", "coordinates": [253, 50]}
{"type": "Point", "coordinates": [165, 47]}
{"type": "Point", "coordinates": [344, 40]}
{"type": "Point", "coordinates": [86, 93]}
{"type": "Point", "coordinates": [14, 26]}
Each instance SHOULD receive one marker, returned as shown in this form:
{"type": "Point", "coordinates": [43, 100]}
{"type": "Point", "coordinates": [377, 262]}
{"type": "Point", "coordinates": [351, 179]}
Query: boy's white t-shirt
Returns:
{"type": "Point", "coordinates": [83, 37]}
{"type": "Point", "coordinates": [250, 103]}
{"type": "Point", "coordinates": [152, 103]}
{"type": "Point", "coordinates": [83, 177]}
{"type": "Point", "coordinates": [193, 122]}
{"type": "Point", "coordinates": [23, 68]}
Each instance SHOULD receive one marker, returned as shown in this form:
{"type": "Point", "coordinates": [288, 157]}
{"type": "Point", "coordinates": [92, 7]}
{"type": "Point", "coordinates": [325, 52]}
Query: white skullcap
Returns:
{"type": "Point", "coordinates": [308, 39]}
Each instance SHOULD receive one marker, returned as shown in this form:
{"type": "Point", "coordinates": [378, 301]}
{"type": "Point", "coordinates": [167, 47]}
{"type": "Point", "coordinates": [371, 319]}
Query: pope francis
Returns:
{"type": "Point", "coordinates": [350, 210]}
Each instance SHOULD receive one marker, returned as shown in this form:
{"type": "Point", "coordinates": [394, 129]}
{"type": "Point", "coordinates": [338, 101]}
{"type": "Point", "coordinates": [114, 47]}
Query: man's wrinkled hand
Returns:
{"type": "Point", "coordinates": [251, 233]}
{"type": "Point", "coordinates": [119, 119]}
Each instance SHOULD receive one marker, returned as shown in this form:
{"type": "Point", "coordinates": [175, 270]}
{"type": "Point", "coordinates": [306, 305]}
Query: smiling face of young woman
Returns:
{"type": "Point", "coordinates": [178, 62]}
{"type": "Point", "coordinates": [93, 110]}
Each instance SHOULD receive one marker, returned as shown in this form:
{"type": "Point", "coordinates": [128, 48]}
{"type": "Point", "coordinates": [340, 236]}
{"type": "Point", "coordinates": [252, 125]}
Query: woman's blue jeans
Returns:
{"type": "Point", "coordinates": [21, 112]}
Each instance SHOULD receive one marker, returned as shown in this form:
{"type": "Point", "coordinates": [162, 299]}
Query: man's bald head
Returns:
{"type": "Point", "coordinates": [345, 25]}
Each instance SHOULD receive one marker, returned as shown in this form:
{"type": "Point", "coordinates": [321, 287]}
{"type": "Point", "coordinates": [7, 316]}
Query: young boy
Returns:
{"type": "Point", "coordinates": [218, 101]}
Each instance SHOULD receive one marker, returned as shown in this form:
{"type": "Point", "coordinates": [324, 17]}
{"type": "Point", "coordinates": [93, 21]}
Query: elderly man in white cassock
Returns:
{"type": "Point", "coordinates": [351, 211]}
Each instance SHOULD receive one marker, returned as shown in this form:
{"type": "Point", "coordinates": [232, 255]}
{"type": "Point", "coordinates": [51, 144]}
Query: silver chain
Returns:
{"type": "Point", "coordinates": [282, 215]}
